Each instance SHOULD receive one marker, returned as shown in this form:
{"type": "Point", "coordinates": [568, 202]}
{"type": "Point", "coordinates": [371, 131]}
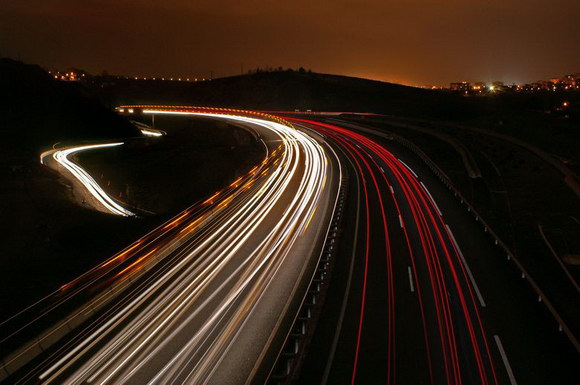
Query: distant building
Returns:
{"type": "Point", "coordinates": [544, 85]}
{"type": "Point", "coordinates": [71, 75]}
{"type": "Point", "coordinates": [463, 87]}
{"type": "Point", "coordinates": [570, 82]}
{"type": "Point", "coordinates": [479, 86]}
{"type": "Point", "coordinates": [566, 83]}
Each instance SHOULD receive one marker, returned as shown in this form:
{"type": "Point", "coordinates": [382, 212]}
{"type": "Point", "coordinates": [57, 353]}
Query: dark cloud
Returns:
{"type": "Point", "coordinates": [411, 41]}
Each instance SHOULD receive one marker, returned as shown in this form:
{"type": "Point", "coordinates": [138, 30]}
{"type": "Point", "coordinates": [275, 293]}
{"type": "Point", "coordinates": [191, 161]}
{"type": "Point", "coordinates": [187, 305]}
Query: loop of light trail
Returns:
{"type": "Point", "coordinates": [61, 156]}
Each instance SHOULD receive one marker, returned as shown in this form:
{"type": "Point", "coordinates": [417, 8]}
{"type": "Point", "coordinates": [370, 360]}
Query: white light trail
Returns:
{"type": "Point", "coordinates": [186, 320]}
{"type": "Point", "coordinates": [61, 156]}
{"type": "Point", "coordinates": [150, 132]}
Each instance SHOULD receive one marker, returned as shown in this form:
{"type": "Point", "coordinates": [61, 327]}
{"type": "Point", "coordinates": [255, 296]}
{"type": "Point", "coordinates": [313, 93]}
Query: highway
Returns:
{"type": "Point", "coordinates": [419, 294]}
{"type": "Point", "coordinates": [412, 309]}
{"type": "Point", "coordinates": [204, 298]}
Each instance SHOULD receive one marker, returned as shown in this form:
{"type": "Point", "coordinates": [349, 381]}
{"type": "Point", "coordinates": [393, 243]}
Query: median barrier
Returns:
{"type": "Point", "coordinates": [289, 360]}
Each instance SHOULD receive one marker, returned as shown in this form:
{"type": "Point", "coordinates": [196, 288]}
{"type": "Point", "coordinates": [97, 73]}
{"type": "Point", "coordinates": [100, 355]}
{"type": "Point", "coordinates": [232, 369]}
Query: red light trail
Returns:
{"type": "Point", "coordinates": [445, 293]}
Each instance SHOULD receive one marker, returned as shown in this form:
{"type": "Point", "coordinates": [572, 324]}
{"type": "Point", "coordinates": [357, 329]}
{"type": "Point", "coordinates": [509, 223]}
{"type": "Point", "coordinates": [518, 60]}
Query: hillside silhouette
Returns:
{"type": "Point", "coordinates": [36, 111]}
{"type": "Point", "coordinates": [289, 90]}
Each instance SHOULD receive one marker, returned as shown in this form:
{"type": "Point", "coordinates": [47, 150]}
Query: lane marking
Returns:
{"type": "Point", "coordinates": [504, 358]}
{"type": "Point", "coordinates": [400, 220]}
{"type": "Point", "coordinates": [411, 279]}
{"type": "Point", "coordinates": [409, 168]}
{"type": "Point", "coordinates": [432, 200]}
{"type": "Point", "coordinates": [392, 191]}
{"type": "Point", "coordinates": [473, 283]}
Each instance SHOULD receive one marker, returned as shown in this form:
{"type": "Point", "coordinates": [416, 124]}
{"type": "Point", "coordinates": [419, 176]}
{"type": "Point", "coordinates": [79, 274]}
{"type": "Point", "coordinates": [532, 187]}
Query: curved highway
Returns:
{"type": "Point", "coordinates": [203, 298]}
{"type": "Point", "coordinates": [411, 307]}
{"type": "Point", "coordinates": [417, 294]}
{"type": "Point", "coordinates": [420, 294]}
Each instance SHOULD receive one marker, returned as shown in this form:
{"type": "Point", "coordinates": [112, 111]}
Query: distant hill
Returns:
{"type": "Point", "coordinates": [37, 111]}
{"type": "Point", "coordinates": [533, 117]}
{"type": "Point", "coordinates": [290, 90]}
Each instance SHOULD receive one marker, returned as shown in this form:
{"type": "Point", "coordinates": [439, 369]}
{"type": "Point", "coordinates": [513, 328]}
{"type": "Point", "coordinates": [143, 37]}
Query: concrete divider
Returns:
{"type": "Point", "coordinates": [290, 357]}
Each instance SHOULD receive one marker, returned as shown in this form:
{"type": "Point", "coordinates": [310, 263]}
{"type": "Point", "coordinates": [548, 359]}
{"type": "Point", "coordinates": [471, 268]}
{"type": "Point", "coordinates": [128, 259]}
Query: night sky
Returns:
{"type": "Point", "coordinates": [416, 42]}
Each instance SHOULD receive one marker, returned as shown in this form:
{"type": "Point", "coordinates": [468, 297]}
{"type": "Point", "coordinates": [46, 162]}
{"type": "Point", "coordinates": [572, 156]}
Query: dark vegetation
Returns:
{"type": "Point", "coordinates": [537, 118]}
{"type": "Point", "coordinates": [46, 239]}
{"type": "Point", "coordinates": [37, 111]}
{"type": "Point", "coordinates": [167, 174]}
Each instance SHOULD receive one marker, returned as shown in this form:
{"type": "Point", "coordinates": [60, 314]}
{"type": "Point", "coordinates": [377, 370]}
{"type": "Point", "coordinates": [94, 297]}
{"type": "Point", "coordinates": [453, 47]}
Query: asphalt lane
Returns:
{"type": "Point", "coordinates": [413, 313]}
{"type": "Point", "coordinates": [498, 316]}
{"type": "Point", "coordinates": [537, 352]}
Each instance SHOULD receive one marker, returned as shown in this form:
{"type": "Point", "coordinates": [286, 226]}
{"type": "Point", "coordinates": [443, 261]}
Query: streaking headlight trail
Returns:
{"type": "Point", "coordinates": [209, 307]}
{"type": "Point", "coordinates": [61, 156]}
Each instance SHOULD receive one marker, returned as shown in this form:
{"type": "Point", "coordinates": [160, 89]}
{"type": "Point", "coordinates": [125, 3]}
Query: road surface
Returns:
{"type": "Point", "coordinates": [203, 298]}
{"type": "Point", "coordinates": [419, 294]}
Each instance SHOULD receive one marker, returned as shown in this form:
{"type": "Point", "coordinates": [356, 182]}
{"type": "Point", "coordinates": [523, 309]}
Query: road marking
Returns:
{"type": "Point", "coordinates": [473, 283]}
{"type": "Point", "coordinates": [409, 168]}
{"type": "Point", "coordinates": [411, 279]}
{"type": "Point", "coordinates": [432, 200]}
{"type": "Point", "coordinates": [382, 170]}
{"type": "Point", "coordinates": [392, 191]}
{"type": "Point", "coordinates": [504, 358]}
{"type": "Point", "coordinates": [400, 220]}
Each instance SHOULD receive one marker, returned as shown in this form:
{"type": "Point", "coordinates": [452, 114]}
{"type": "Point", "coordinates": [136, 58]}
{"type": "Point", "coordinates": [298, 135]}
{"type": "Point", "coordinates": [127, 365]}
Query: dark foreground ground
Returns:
{"type": "Point", "coordinates": [46, 239]}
